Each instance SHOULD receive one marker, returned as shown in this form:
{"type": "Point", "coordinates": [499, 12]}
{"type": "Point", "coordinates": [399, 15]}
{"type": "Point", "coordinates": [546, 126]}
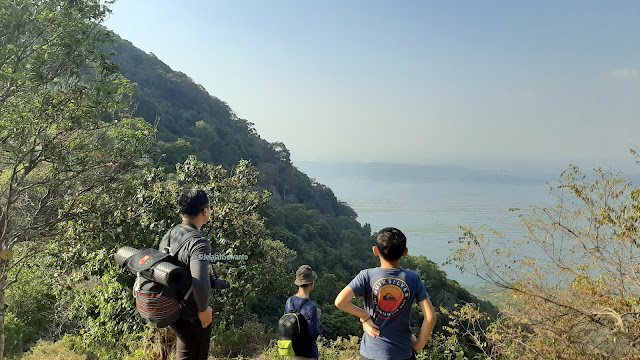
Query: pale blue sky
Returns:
{"type": "Point", "coordinates": [423, 82]}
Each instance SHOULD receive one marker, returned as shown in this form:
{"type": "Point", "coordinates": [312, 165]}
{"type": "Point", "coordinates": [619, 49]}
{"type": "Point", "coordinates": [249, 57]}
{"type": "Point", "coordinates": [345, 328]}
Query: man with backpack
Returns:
{"type": "Point", "coordinates": [306, 313]}
{"type": "Point", "coordinates": [194, 325]}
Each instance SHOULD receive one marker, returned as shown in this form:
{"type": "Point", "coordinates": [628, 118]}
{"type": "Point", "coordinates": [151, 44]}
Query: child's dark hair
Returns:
{"type": "Point", "coordinates": [192, 201]}
{"type": "Point", "coordinates": [391, 243]}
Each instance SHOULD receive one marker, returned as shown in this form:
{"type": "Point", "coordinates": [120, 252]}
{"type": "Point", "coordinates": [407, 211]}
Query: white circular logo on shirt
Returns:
{"type": "Point", "coordinates": [390, 297]}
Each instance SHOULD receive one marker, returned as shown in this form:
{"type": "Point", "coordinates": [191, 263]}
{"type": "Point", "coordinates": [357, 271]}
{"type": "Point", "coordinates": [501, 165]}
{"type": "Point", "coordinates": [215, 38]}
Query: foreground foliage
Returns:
{"type": "Point", "coordinates": [571, 286]}
{"type": "Point", "coordinates": [65, 132]}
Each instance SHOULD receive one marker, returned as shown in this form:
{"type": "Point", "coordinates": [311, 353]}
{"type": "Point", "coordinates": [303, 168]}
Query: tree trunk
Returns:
{"type": "Point", "coordinates": [4, 271]}
{"type": "Point", "coordinates": [4, 264]}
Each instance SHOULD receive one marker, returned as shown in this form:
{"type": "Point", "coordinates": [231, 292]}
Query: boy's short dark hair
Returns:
{"type": "Point", "coordinates": [391, 243]}
{"type": "Point", "coordinates": [192, 201]}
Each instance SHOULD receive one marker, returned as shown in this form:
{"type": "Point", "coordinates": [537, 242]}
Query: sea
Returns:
{"type": "Point", "coordinates": [430, 204]}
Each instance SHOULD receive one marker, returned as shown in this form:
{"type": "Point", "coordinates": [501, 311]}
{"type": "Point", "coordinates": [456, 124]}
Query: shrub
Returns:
{"type": "Point", "coordinates": [340, 348]}
{"type": "Point", "coordinates": [60, 350]}
{"type": "Point", "coordinates": [247, 340]}
{"type": "Point", "coordinates": [17, 334]}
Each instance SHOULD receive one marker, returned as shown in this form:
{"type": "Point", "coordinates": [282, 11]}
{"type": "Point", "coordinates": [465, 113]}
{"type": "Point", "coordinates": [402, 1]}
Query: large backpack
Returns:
{"type": "Point", "coordinates": [292, 330]}
{"type": "Point", "coordinates": [156, 302]}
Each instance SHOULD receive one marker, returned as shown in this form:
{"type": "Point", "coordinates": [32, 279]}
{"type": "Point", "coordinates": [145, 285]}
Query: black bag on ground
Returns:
{"type": "Point", "coordinates": [159, 281]}
{"type": "Point", "coordinates": [293, 332]}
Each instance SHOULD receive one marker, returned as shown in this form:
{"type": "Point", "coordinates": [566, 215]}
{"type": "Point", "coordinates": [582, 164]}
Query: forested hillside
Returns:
{"type": "Point", "coordinates": [303, 214]}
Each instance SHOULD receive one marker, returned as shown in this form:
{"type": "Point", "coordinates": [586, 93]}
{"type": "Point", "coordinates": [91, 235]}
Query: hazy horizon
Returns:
{"type": "Point", "coordinates": [504, 168]}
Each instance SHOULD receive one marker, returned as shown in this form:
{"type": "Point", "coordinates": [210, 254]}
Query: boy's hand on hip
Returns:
{"type": "Point", "coordinates": [414, 340]}
{"type": "Point", "coordinates": [319, 312]}
{"type": "Point", "coordinates": [371, 328]}
{"type": "Point", "coordinates": [206, 317]}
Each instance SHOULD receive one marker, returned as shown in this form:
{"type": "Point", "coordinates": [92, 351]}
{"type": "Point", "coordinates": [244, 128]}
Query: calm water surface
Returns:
{"type": "Point", "coordinates": [430, 211]}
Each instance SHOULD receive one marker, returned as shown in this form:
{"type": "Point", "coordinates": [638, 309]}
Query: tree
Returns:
{"type": "Point", "coordinates": [139, 216]}
{"type": "Point", "coordinates": [571, 285]}
{"type": "Point", "coordinates": [236, 229]}
{"type": "Point", "coordinates": [64, 127]}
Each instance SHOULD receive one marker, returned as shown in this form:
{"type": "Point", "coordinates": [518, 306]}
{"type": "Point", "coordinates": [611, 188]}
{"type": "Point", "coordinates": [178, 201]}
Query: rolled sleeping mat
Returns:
{"type": "Point", "coordinates": [168, 274]}
{"type": "Point", "coordinates": [123, 254]}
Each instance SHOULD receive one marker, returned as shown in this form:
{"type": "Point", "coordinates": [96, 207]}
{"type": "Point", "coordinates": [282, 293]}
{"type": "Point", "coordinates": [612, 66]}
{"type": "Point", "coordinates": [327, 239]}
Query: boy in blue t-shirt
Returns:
{"type": "Point", "coordinates": [389, 292]}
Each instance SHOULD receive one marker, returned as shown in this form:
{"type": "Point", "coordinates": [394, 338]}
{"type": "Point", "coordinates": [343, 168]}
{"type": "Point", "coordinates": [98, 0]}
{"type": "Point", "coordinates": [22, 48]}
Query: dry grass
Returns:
{"type": "Point", "coordinates": [340, 349]}
{"type": "Point", "coordinates": [46, 350]}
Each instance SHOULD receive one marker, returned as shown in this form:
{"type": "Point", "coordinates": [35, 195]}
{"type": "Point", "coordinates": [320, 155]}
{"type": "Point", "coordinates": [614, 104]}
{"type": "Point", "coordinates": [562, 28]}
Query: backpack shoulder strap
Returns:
{"type": "Point", "coordinates": [180, 245]}
{"type": "Point", "coordinates": [173, 248]}
{"type": "Point", "coordinates": [301, 305]}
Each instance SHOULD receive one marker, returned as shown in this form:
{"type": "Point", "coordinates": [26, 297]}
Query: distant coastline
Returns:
{"type": "Point", "coordinates": [412, 172]}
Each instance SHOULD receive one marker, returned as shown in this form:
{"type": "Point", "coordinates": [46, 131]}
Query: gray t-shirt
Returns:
{"type": "Point", "coordinates": [388, 295]}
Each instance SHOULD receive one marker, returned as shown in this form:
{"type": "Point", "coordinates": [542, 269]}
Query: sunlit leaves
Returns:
{"type": "Point", "coordinates": [572, 285]}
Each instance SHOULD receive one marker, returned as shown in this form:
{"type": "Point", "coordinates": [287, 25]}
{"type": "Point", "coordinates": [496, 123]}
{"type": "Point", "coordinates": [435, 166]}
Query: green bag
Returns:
{"type": "Point", "coordinates": [285, 348]}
